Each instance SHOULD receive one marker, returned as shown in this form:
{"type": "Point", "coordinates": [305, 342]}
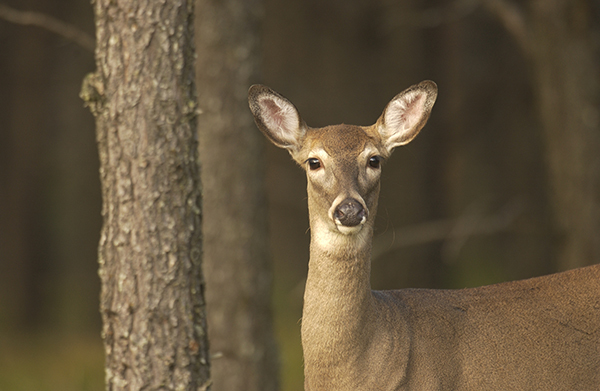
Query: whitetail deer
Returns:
{"type": "Point", "coordinates": [536, 334]}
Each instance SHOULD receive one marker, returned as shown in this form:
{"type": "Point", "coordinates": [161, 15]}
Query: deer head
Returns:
{"type": "Point", "coordinates": [342, 162]}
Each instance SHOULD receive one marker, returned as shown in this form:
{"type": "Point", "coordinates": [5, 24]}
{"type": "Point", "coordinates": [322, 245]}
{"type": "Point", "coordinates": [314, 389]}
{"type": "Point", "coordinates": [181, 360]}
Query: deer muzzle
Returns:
{"type": "Point", "coordinates": [350, 213]}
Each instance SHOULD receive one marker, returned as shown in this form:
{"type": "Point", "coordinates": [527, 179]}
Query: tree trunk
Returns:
{"type": "Point", "coordinates": [143, 98]}
{"type": "Point", "coordinates": [24, 139]}
{"type": "Point", "coordinates": [557, 37]}
{"type": "Point", "coordinates": [566, 66]}
{"type": "Point", "coordinates": [238, 271]}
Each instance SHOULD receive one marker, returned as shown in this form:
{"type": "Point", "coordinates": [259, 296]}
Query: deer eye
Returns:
{"type": "Point", "coordinates": [375, 161]}
{"type": "Point", "coordinates": [314, 163]}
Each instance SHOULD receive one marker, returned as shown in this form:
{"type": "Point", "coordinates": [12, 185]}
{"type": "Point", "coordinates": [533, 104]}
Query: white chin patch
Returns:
{"type": "Point", "coordinates": [349, 230]}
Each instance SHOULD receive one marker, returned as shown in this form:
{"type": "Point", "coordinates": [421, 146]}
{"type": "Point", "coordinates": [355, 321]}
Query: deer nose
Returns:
{"type": "Point", "coordinates": [350, 213]}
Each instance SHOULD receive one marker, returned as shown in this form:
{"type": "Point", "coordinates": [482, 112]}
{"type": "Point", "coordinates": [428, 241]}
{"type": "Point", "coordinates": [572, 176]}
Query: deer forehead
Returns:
{"type": "Point", "coordinates": [346, 142]}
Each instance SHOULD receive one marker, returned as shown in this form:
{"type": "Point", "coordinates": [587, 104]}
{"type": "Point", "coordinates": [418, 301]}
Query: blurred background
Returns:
{"type": "Point", "coordinates": [501, 184]}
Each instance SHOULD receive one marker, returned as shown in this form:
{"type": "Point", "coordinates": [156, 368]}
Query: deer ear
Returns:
{"type": "Point", "coordinates": [406, 114]}
{"type": "Point", "coordinates": [276, 117]}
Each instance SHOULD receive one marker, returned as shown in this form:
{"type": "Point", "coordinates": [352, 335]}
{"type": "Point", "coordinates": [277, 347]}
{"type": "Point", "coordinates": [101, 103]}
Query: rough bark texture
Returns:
{"type": "Point", "coordinates": [143, 97]}
{"type": "Point", "coordinates": [237, 267]}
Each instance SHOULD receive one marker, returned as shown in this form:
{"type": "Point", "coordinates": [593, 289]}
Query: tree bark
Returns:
{"type": "Point", "coordinates": [143, 98]}
{"type": "Point", "coordinates": [237, 265]}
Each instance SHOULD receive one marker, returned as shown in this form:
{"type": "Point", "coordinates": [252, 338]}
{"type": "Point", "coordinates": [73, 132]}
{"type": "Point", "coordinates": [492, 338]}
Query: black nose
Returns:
{"type": "Point", "coordinates": [349, 212]}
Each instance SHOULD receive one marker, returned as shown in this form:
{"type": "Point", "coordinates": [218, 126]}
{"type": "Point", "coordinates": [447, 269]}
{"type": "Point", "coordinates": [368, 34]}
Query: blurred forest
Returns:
{"type": "Point", "coordinates": [503, 183]}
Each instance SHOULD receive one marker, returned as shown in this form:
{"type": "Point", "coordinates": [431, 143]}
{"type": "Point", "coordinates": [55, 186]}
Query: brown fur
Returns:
{"type": "Point", "coordinates": [536, 334]}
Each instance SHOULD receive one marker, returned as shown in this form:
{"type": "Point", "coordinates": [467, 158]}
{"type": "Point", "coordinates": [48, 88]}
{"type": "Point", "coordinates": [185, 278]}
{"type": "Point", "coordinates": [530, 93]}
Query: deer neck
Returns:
{"type": "Point", "coordinates": [350, 335]}
{"type": "Point", "coordinates": [337, 301]}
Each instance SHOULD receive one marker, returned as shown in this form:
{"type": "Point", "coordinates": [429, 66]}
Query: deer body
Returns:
{"type": "Point", "coordinates": [536, 334]}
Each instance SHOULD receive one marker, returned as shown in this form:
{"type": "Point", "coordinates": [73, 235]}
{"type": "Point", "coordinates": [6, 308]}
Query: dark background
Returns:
{"type": "Point", "coordinates": [469, 202]}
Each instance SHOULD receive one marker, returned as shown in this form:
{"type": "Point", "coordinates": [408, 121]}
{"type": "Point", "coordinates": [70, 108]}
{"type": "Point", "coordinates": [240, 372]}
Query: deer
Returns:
{"type": "Point", "coordinates": [541, 333]}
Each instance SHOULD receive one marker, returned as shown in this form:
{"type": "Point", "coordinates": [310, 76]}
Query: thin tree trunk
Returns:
{"type": "Point", "coordinates": [566, 66]}
{"type": "Point", "coordinates": [238, 271]}
{"type": "Point", "coordinates": [143, 98]}
{"type": "Point", "coordinates": [557, 37]}
{"type": "Point", "coordinates": [24, 137]}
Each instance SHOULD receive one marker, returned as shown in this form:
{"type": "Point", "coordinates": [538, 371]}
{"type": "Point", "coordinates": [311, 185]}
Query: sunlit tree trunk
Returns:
{"type": "Point", "coordinates": [237, 265]}
{"type": "Point", "coordinates": [143, 98]}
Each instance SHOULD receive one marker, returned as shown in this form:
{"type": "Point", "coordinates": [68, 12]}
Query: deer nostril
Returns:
{"type": "Point", "coordinates": [350, 212]}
